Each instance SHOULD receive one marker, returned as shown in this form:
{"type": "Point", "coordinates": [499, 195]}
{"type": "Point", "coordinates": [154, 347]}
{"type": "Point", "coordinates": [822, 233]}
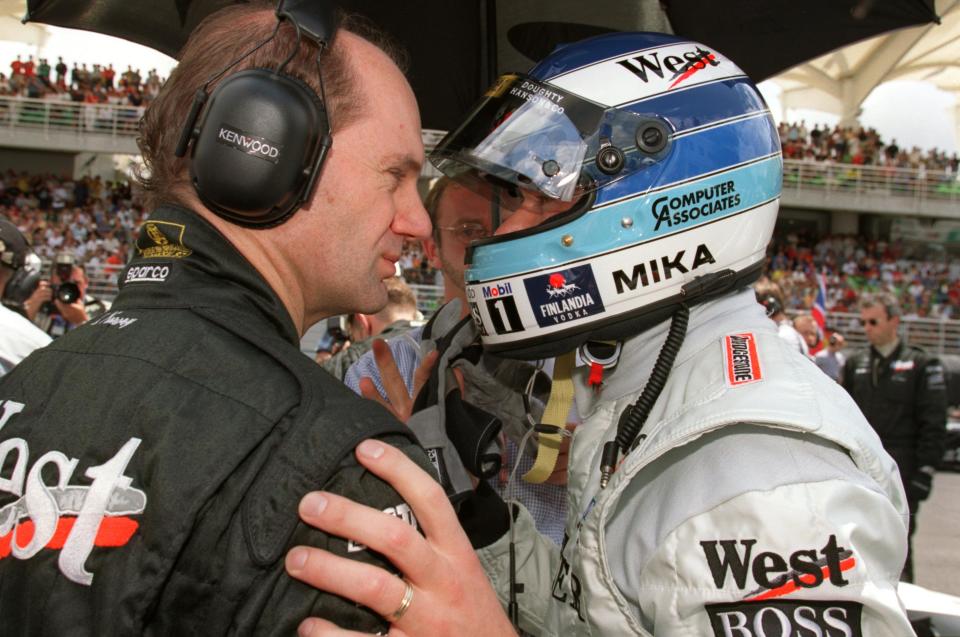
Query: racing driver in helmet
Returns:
{"type": "Point", "coordinates": [719, 484]}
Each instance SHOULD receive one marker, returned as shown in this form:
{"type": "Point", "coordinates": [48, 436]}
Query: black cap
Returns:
{"type": "Point", "coordinates": [14, 247]}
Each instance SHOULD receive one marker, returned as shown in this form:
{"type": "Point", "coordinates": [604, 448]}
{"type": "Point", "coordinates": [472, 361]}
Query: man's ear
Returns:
{"type": "Point", "coordinates": [363, 325]}
{"type": "Point", "coordinates": [432, 251]}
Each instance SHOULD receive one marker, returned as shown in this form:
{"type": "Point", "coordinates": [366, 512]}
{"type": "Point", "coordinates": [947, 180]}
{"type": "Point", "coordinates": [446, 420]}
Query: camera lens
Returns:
{"type": "Point", "coordinates": [68, 292]}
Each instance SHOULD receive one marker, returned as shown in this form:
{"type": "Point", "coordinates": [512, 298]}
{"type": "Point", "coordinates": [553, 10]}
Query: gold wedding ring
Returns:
{"type": "Point", "coordinates": [395, 616]}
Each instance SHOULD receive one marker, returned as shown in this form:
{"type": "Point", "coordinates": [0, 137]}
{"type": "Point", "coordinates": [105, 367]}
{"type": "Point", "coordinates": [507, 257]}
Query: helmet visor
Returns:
{"type": "Point", "coordinates": [533, 135]}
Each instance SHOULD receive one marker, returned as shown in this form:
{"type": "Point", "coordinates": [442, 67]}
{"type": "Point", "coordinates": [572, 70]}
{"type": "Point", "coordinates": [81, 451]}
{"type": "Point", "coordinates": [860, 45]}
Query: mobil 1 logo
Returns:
{"type": "Point", "coordinates": [502, 308]}
{"type": "Point", "coordinates": [565, 295]}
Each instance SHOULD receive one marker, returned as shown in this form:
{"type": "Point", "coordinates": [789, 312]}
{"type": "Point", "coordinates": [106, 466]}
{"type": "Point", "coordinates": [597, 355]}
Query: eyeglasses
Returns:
{"type": "Point", "coordinates": [467, 232]}
{"type": "Point", "coordinates": [872, 322]}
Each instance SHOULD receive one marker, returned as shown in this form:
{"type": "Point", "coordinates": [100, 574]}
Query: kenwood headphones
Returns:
{"type": "Point", "coordinates": [258, 150]}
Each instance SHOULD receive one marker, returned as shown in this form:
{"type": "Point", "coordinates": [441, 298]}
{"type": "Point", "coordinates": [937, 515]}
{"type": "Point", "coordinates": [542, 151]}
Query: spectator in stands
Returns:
{"type": "Point", "coordinates": [18, 336]}
{"type": "Point", "coordinates": [61, 70]}
{"type": "Point", "coordinates": [770, 296]}
{"type": "Point", "coordinates": [901, 390]}
{"type": "Point", "coordinates": [807, 328]}
{"type": "Point", "coordinates": [396, 318]}
{"type": "Point", "coordinates": [831, 358]}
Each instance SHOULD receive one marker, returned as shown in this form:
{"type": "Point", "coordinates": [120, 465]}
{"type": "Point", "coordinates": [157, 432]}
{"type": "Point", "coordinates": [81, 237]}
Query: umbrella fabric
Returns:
{"type": "Point", "coordinates": [456, 49]}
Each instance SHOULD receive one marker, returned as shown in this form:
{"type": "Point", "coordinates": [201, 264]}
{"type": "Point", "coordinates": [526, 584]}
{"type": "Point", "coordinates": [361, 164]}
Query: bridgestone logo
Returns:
{"type": "Point", "coordinates": [741, 360]}
{"type": "Point", "coordinates": [249, 144]}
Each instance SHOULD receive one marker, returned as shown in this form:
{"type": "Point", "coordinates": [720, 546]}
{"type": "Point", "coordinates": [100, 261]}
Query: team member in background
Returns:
{"type": "Point", "coordinates": [901, 390]}
{"type": "Point", "coordinates": [719, 483]}
{"type": "Point", "coordinates": [154, 457]}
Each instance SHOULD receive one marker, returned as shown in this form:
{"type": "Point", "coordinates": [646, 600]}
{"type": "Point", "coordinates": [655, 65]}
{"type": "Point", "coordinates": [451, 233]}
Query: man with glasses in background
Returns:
{"type": "Point", "coordinates": [461, 216]}
{"type": "Point", "coordinates": [900, 389]}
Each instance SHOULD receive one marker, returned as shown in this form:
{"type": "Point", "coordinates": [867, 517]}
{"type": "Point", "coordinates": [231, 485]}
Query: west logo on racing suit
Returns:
{"type": "Point", "coordinates": [776, 575]}
{"type": "Point", "coordinates": [69, 518]}
{"type": "Point", "coordinates": [761, 613]}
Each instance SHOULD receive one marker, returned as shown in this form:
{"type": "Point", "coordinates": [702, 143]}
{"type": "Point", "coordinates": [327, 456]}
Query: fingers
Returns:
{"type": "Point", "coordinates": [424, 369]}
{"type": "Point", "coordinates": [369, 391]}
{"type": "Point", "coordinates": [392, 536]}
{"type": "Point", "coordinates": [393, 385]}
{"type": "Point", "coordinates": [316, 627]}
{"type": "Point", "coordinates": [419, 489]}
{"type": "Point", "coordinates": [365, 584]}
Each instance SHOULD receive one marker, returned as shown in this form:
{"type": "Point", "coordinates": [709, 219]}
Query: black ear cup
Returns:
{"type": "Point", "coordinates": [771, 305]}
{"type": "Point", "coordinates": [259, 147]}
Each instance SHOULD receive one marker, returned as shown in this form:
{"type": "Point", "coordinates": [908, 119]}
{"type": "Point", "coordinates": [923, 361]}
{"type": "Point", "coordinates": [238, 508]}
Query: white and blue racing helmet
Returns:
{"type": "Point", "coordinates": [669, 163]}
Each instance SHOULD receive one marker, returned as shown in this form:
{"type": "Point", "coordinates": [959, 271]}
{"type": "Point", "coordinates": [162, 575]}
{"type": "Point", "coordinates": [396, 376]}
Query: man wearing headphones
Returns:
{"type": "Point", "coordinates": [18, 336]}
{"type": "Point", "coordinates": [719, 484]}
{"type": "Point", "coordinates": [154, 457]}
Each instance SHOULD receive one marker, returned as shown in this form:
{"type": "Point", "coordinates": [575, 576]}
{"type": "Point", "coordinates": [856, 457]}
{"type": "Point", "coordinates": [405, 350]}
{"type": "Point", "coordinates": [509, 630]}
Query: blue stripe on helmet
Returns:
{"type": "Point", "coordinates": [700, 153]}
{"type": "Point", "coordinates": [703, 104]}
{"type": "Point", "coordinates": [724, 194]}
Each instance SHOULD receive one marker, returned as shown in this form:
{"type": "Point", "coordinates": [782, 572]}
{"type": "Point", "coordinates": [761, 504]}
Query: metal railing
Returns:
{"type": "Point", "coordinates": [917, 185]}
{"type": "Point", "coordinates": [55, 115]}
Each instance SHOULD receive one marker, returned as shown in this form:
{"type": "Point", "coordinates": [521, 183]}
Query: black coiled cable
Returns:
{"type": "Point", "coordinates": [636, 414]}
{"type": "Point", "coordinates": [633, 417]}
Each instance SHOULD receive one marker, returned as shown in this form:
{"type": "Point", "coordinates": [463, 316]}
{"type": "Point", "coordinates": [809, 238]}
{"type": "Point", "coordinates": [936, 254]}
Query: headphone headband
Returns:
{"type": "Point", "coordinates": [263, 135]}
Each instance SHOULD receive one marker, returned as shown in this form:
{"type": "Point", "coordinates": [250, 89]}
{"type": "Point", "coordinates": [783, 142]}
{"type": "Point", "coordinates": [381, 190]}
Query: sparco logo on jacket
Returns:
{"type": "Point", "coordinates": [662, 268]}
{"type": "Point", "coordinates": [150, 273]}
{"type": "Point", "coordinates": [563, 296]}
{"type": "Point", "coordinates": [62, 516]}
{"type": "Point", "coordinates": [250, 144]}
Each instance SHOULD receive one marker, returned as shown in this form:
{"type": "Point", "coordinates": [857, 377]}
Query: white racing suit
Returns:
{"type": "Point", "coordinates": [759, 504]}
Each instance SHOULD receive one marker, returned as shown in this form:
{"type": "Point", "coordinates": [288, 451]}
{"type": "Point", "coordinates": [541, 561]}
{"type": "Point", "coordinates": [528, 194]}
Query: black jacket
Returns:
{"type": "Point", "coordinates": [903, 397]}
{"type": "Point", "coordinates": [157, 456]}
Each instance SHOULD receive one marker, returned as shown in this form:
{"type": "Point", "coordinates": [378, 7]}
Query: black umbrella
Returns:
{"type": "Point", "coordinates": [457, 47]}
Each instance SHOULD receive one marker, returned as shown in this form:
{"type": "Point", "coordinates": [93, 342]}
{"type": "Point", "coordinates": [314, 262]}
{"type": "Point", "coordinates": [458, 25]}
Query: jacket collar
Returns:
{"type": "Point", "coordinates": [737, 312]}
{"type": "Point", "coordinates": [182, 261]}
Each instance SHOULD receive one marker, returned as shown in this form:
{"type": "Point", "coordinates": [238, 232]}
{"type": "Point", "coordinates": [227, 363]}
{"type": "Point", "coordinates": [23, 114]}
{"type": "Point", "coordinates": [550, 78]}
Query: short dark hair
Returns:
{"type": "Point", "coordinates": [218, 40]}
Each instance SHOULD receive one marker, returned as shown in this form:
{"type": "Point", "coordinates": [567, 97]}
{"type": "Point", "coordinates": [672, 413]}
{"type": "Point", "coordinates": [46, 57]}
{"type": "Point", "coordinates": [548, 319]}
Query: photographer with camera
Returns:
{"type": "Point", "coordinates": [18, 337]}
{"type": "Point", "coordinates": [61, 303]}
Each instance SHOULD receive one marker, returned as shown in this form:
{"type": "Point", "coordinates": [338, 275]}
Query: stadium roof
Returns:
{"type": "Point", "coordinates": [839, 82]}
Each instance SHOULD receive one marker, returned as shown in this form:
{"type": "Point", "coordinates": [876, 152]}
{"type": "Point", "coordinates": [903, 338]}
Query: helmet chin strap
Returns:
{"type": "Point", "coordinates": [552, 428]}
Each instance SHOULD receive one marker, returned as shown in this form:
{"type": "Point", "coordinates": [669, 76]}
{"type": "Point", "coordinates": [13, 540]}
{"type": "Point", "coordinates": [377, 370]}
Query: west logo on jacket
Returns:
{"type": "Point", "coordinates": [65, 517]}
{"type": "Point", "coordinates": [763, 611]}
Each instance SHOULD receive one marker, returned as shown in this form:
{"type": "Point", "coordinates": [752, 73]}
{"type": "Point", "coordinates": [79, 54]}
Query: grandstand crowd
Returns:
{"type": "Point", "coordinates": [859, 146]}
{"type": "Point", "coordinates": [96, 220]}
{"type": "Point", "coordinates": [852, 265]}
{"type": "Point", "coordinates": [96, 84]}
